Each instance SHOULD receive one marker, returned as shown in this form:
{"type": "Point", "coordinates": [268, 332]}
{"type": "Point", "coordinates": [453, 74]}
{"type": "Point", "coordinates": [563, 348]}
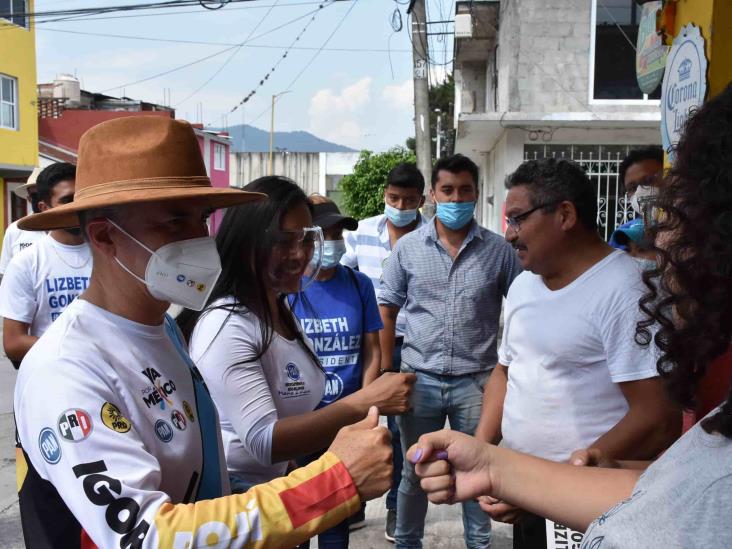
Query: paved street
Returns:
{"type": "Point", "coordinates": [444, 525]}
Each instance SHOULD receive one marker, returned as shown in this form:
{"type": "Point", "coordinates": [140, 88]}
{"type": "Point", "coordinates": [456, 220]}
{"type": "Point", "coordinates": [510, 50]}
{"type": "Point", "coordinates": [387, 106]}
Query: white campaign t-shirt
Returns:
{"type": "Point", "coordinates": [252, 396]}
{"type": "Point", "coordinates": [41, 281]}
{"type": "Point", "coordinates": [101, 401]}
{"type": "Point", "coordinates": [566, 351]}
{"type": "Point", "coordinates": [14, 241]}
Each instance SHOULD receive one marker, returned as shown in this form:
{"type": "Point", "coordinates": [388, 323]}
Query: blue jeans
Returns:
{"type": "Point", "coordinates": [436, 398]}
{"type": "Point", "coordinates": [396, 443]}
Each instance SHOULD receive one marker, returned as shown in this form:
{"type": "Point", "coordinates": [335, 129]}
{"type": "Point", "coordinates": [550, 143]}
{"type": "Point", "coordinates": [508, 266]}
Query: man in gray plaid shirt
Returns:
{"type": "Point", "coordinates": [449, 277]}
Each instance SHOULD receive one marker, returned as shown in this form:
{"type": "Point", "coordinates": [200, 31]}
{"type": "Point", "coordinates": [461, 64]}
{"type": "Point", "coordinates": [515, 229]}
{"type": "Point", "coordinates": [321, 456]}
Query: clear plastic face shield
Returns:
{"type": "Point", "coordinates": [291, 266]}
{"type": "Point", "coordinates": [645, 204]}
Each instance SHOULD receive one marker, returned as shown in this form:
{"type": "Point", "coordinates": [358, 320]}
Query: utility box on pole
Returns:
{"type": "Point", "coordinates": [420, 55]}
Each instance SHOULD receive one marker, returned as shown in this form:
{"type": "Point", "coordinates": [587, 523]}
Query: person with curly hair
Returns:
{"type": "Point", "coordinates": [684, 498]}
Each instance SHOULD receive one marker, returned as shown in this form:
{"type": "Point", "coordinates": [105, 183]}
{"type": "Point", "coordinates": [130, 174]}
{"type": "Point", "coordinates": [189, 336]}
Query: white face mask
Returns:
{"type": "Point", "coordinates": [642, 194]}
{"type": "Point", "coordinates": [182, 272]}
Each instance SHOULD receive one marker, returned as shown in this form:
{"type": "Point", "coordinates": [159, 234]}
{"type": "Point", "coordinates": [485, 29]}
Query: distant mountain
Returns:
{"type": "Point", "coordinates": [247, 138]}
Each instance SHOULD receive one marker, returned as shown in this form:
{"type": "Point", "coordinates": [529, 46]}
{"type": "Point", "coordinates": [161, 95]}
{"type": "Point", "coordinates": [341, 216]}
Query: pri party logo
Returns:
{"type": "Point", "coordinates": [74, 425]}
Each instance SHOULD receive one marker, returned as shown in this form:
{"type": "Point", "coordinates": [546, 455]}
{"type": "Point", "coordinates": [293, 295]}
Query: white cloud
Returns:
{"type": "Point", "coordinates": [349, 100]}
{"type": "Point", "coordinates": [335, 115]}
{"type": "Point", "coordinates": [399, 96]}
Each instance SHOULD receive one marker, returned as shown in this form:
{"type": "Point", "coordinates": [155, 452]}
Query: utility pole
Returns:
{"type": "Point", "coordinates": [422, 134]}
{"type": "Point", "coordinates": [271, 138]}
{"type": "Point", "coordinates": [271, 132]}
{"type": "Point", "coordinates": [438, 148]}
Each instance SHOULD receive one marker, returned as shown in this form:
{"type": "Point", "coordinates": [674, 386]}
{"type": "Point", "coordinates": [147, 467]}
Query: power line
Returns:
{"type": "Point", "coordinates": [84, 17]}
{"type": "Point", "coordinates": [207, 57]}
{"type": "Point", "coordinates": [279, 61]}
{"type": "Point", "coordinates": [310, 62]}
{"type": "Point", "coordinates": [231, 57]}
{"type": "Point", "coordinates": [208, 43]}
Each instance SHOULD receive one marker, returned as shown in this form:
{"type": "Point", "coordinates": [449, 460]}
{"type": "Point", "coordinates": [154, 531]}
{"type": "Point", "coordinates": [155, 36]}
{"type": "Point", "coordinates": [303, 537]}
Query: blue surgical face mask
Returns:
{"type": "Point", "coordinates": [400, 218]}
{"type": "Point", "coordinates": [455, 215]}
{"type": "Point", "coordinates": [333, 250]}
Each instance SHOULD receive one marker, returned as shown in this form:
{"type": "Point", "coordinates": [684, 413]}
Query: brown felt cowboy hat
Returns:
{"type": "Point", "coordinates": [137, 159]}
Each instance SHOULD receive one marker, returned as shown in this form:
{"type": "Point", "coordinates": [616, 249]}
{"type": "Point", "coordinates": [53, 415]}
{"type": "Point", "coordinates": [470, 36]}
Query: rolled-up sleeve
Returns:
{"type": "Point", "coordinates": [393, 289]}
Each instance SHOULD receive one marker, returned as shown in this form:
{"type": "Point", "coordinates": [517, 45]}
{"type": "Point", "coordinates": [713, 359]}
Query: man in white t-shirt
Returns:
{"type": "Point", "coordinates": [16, 239]}
{"type": "Point", "coordinates": [569, 372]}
{"type": "Point", "coordinates": [43, 279]}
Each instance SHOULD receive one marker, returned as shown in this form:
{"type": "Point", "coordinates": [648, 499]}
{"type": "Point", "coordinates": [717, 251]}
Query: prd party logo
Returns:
{"type": "Point", "coordinates": [74, 425]}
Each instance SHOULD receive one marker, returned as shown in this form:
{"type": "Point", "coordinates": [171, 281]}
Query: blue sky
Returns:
{"type": "Point", "coordinates": [352, 98]}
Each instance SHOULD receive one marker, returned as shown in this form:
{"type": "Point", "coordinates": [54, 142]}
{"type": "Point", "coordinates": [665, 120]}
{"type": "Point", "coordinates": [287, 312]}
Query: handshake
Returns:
{"type": "Point", "coordinates": [365, 447]}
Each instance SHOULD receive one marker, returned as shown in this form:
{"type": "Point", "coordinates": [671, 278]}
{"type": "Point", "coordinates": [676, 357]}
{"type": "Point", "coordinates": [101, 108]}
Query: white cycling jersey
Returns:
{"type": "Point", "coordinates": [123, 449]}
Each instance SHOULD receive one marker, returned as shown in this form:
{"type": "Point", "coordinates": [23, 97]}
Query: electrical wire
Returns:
{"type": "Point", "coordinates": [207, 57]}
{"type": "Point", "coordinates": [310, 62]}
{"type": "Point", "coordinates": [231, 57]}
{"type": "Point", "coordinates": [281, 59]}
{"type": "Point", "coordinates": [206, 43]}
{"type": "Point", "coordinates": [84, 17]}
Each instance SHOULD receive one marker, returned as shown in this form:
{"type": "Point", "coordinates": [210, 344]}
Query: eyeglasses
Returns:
{"type": "Point", "coordinates": [515, 221]}
{"type": "Point", "coordinates": [306, 238]}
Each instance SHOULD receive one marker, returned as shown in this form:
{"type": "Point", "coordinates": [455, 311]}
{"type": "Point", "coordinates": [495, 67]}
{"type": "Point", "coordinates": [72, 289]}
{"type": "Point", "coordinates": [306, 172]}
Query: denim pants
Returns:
{"type": "Point", "coordinates": [435, 398]}
{"type": "Point", "coordinates": [396, 443]}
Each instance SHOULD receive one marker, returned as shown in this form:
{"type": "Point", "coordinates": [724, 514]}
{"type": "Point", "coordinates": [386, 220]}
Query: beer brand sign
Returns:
{"type": "Point", "coordinates": [684, 84]}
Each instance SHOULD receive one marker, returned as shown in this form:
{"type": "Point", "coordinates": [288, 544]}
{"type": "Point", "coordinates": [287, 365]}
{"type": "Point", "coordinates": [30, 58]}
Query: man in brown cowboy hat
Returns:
{"type": "Point", "coordinates": [120, 439]}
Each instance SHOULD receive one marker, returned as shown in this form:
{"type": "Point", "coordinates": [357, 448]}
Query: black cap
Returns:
{"type": "Point", "coordinates": [326, 215]}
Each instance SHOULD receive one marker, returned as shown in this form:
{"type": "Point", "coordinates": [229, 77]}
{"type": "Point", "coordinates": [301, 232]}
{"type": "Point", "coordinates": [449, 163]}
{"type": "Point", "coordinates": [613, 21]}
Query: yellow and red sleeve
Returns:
{"type": "Point", "coordinates": [281, 513]}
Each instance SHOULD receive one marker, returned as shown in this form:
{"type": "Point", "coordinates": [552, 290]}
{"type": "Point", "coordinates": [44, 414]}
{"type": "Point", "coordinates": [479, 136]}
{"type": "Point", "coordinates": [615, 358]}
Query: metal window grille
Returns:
{"type": "Point", "coordinates": [601, 162]}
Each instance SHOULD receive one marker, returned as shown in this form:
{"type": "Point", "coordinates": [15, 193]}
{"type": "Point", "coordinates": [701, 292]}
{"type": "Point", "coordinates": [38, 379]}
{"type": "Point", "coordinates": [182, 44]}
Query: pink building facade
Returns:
{"type": "Point", "coordinates": [215, 147]}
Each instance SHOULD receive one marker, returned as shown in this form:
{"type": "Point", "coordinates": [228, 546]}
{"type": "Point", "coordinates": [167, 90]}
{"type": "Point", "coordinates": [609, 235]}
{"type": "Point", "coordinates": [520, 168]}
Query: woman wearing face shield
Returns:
{"type": "Point", "coordinates": [262, 372]}
{"type": "Point", "coordinates": [338, 313]}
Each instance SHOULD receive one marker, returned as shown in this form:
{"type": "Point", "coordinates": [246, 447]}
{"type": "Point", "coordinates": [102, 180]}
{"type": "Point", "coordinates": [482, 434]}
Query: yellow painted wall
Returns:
{"type": "Point", "coordinates": [18, 59]}
{"type": "Point", "coordinates": [715, 19]}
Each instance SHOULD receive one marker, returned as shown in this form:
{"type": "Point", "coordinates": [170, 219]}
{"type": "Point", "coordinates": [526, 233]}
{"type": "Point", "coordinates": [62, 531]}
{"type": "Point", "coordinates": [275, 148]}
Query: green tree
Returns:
{"type": "Point", "coordinates": [363, 190]}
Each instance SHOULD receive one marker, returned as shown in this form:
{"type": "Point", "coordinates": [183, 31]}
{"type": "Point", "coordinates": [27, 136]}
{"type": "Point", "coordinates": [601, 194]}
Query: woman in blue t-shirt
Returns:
{"type": "Point", "coordinates": [338, 313]}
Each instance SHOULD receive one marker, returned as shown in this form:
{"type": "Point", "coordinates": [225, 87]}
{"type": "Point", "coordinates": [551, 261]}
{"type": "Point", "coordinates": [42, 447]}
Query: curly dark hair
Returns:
{"type": "Point", "coordinates": [552, 181]}
{"type": "Point", "coordinates": [688, 305]}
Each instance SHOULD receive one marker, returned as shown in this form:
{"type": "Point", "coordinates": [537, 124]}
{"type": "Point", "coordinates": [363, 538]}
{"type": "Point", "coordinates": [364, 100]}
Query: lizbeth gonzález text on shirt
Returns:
{"type": "Point", "coordinates": [335, 314]}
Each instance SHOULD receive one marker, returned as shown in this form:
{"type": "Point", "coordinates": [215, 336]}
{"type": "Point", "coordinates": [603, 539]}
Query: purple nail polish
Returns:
{"type": "Point", "coordinates": [417, 455]}
{"type": "Point", "coordinates": [442, 454]}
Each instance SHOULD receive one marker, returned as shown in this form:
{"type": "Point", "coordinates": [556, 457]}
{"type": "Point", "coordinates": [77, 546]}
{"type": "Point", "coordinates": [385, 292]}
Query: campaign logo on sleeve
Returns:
{"type": "Point", "coordinates": [178, 420]}
{"type": "Point", "coordinates": [49, 446]}
{"type": "Point", "coordinates": [189, 411]}
{"type": "Point", "coordinates": [74, 425]}
{"type": "Point", "coordinates": [113, 418]}
{"type": "Point", "coordinates": [163, 430]}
